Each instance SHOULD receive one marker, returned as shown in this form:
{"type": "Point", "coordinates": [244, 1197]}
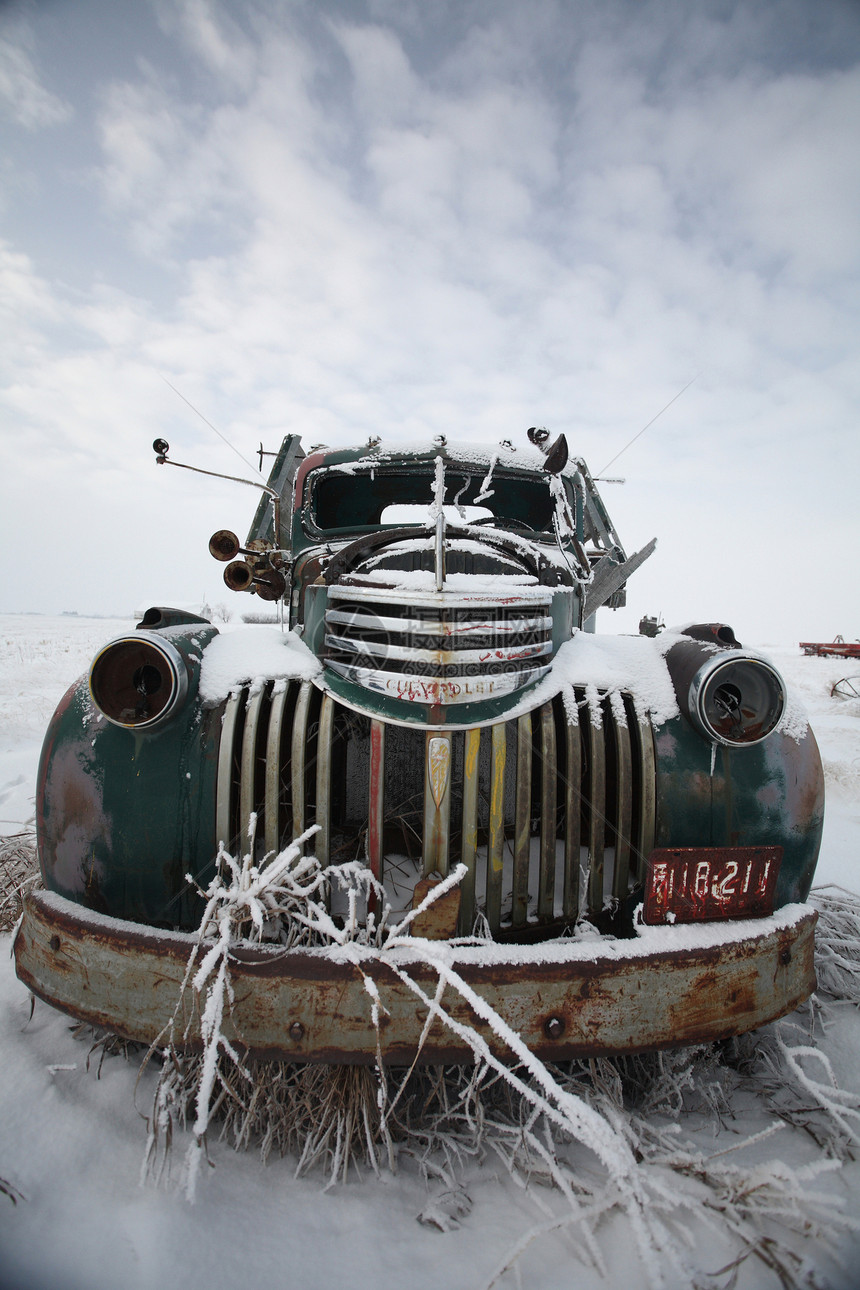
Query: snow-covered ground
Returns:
{"type": "Point", "coordinates": [72, 1135]}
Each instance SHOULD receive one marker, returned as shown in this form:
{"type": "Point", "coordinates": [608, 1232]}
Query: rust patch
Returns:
{"type": "Point", "coordinates": [438, 922]}
{"type": "Point", "coordinates": [76, 819]}
{"type": "Point", "coordinates": [306, 1007]}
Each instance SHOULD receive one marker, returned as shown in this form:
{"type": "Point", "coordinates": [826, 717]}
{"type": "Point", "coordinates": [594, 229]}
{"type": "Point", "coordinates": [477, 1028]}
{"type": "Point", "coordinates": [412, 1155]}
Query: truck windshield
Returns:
{"type": "Point", "coordinates": [358, 499]}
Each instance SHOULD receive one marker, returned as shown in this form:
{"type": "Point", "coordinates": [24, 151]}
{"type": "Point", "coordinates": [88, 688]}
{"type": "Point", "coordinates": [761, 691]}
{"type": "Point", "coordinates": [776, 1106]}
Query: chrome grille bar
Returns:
{"type": "Point", "coordinates": [469, 843]}
{"type": "Point", "coordinates": [322, 841]}
{"type": "Point", "coordinates": [647, 795]}
{"type": "Point", "coordinates": [227, 779]}
{"type": "Point", "coordinates": [442, 660]}
{"type": "Point", "coordinates": [549, 775]}
{"type": "Point", "coordinates": [274, 763]}
{"type": "Point", "coordinates": [247, 773]}
{"type": "Point", "coordinates": [623, 807]}
{"type": "Point", "coordinates": [297, 757]}
{"type": "Point", "coordinates": [434, 689]}
{"type": "Point", "coordinates": [365, 619]}
{"type": "Point", "coordinates": [464, 647]}
{"type": "Point", "coordinates": [522, 823]}
{"type": "Point", "coordinates": [573, 815]}
{"type": "Point", "coordinates": [595, 803]}
{"type": "Point", "coordinates": [528, 595]}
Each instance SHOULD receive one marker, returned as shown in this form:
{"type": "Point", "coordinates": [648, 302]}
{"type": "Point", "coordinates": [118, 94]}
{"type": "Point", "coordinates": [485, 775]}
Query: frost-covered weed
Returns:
{"type": "Point", "coordinates": [327, 1115]}
{"type": "Point", "coordinates": [604, 1136]}
{"type": "Point", "coordinates": [837, 943]}
{"type": "Point", "coordinates": [19, 873]}
{"type": "Point", "coordinates": [783, 1064]}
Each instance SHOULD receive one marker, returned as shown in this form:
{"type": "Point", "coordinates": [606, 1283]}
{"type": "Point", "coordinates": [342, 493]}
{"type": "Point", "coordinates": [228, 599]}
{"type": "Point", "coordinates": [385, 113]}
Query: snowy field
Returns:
{"type": "Point", "coordinates": [72, 1135]}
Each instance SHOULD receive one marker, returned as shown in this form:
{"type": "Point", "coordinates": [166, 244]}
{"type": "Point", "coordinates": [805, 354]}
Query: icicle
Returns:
{"type": "Point", "coordinates": [460, 507]}
{"type": "Point", "coordinates": [619, 712]}
{"type": "Point", "coordinates": [486, 491]}
{"type": "Point", "coordinates": [592, 695]}
{"type": "Point", "coordinates": [571, 706]}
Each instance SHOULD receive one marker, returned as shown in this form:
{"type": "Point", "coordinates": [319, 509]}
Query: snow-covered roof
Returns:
{"type": "Point", "coordinates": [482, 455]}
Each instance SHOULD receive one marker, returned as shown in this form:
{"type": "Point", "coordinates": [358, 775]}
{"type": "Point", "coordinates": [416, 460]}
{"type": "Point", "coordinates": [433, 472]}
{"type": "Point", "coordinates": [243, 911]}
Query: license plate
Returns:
{"type": "Point", "coordinates": [697, 884]}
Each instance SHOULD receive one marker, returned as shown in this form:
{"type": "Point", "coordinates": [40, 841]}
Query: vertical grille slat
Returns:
{"type": "Point", "coordinates": [623, 810]}
{"type": "Point", "coordinates": [248, 788]}
{"type": "Point", "coordinates": [274, 763]}
{"type": "Point", "coordinates": [376, 800]}
{"type": "Point", "coordinates": [297, 758]}
{"type": "Point", "coordinates": [522, 824]}
{"type": "Point", "coordinates": [548, 823]}
{"type": "Point", "coordinates": [573, 818]}
{"type": "Point", "coordinates": [496, 831]}
{"type": "Point", "coordinates": [469, 843]}
{"type": "Point", "coordinates": [528, 805]}
{"type": "Point", "coordinates": [228, 779]}
{"type": "Point", "coordinates": [322, 841]}
{"type": "Point", "coordinates": [647, 795]}
{"type": "Point", "coordinates": [595, 803]}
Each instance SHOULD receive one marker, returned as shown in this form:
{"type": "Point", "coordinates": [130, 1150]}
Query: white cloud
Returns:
{"type": "Point", "coordinates": [213, 36]}
{"type": "Point", "coordinates": [385, 87]}
{"type": "Point", "coordinates": [22, 93]}
{"type": "Point", "coordinates": [535, 221]}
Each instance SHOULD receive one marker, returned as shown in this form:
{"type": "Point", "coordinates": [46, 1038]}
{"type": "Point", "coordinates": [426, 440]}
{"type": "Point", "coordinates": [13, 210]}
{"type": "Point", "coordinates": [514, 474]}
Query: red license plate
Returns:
{"type": "Point", "coordinates": [697, 884]}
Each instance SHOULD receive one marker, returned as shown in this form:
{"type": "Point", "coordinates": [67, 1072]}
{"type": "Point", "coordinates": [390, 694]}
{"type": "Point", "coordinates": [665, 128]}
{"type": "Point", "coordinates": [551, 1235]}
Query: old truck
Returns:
{"type": "Point", "coordinates": [634, 821]}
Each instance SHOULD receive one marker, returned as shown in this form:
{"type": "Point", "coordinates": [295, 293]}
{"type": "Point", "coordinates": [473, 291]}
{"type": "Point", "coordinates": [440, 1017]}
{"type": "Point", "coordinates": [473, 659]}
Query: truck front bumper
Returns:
{"type": "Point", "coordinates": [668, 987]}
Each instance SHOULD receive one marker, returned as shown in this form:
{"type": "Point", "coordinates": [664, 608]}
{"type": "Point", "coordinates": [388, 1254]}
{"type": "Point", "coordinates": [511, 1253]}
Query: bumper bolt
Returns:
{"type": "Point", "coordinates": [297, 1031]}
{"type": "Point", "coordinates": [553, 1027]}
{"type": "Point", "coordinates": [785, 957]}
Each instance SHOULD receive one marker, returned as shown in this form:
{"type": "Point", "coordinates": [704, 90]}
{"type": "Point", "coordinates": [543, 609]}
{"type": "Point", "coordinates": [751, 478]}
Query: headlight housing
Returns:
{"type": "Point", "coordinates": [737, 698]}
{"type": "Point", "coordinates": [138, 681]}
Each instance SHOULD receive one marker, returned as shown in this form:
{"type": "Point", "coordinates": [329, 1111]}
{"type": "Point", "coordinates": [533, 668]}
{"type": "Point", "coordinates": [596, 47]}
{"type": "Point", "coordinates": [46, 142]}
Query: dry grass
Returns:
{"type": "Point", "coordinates": [19, 873]}
{"type": "Point", "coordinates": [837, 943]}
{"type": "Point", "coordinates": [335, 1120]}
{"type": "Point", "coordinates": [602, 1135]}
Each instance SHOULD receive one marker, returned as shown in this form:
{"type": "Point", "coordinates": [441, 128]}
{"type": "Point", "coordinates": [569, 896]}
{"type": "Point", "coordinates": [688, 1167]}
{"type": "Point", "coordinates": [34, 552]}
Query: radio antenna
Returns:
{"type": "Point", "coordinates": [215, 428]}
{"type": "Point", "coordinates": [650, 423]}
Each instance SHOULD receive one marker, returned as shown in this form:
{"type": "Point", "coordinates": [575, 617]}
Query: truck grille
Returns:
{"type": "Point", "coordinates": [552, 818]}
{"type": "Point", "coordinates": [437, 648]}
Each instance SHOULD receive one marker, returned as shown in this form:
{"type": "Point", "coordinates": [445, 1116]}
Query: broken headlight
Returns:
{"type": "Point", "coordinates": [138, 681]}
{"type": "Point", "coordinates": [737, 698]}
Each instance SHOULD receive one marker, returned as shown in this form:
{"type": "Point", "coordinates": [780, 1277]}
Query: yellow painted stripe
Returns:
{"type": "Point", "coordinates": [497, 827]}
{"type": "Point", "coordinates": [468, 850]}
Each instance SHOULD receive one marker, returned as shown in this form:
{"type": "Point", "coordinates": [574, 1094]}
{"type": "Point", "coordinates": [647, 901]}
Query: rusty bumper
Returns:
{"type": "Point", "coordinates": [567, 998]}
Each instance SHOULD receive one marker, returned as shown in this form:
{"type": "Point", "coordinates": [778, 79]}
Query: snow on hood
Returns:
{"type": "Point", "coordinates": [251, 656]}
{"type": "Point", "coordinates": [628, 664]}
{"type": "Point", "coordinates": [493, 586]}
{"type": "Point", "coordinates": [613, 665]}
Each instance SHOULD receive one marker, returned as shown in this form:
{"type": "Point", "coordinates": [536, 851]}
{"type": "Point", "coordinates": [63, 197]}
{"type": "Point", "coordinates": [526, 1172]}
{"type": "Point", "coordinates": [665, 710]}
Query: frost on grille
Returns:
{"type": "Point", "coordinates": [552, 819]}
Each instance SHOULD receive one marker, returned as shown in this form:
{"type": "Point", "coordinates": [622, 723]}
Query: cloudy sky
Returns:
{"type": "Point", "coordinates": [410, 217]}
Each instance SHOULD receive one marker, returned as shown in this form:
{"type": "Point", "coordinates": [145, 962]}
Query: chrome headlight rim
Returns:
{"type": "Point", "coordinates": [716, 675]}
{"type": "Point", "coordinates": [138, 681]}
